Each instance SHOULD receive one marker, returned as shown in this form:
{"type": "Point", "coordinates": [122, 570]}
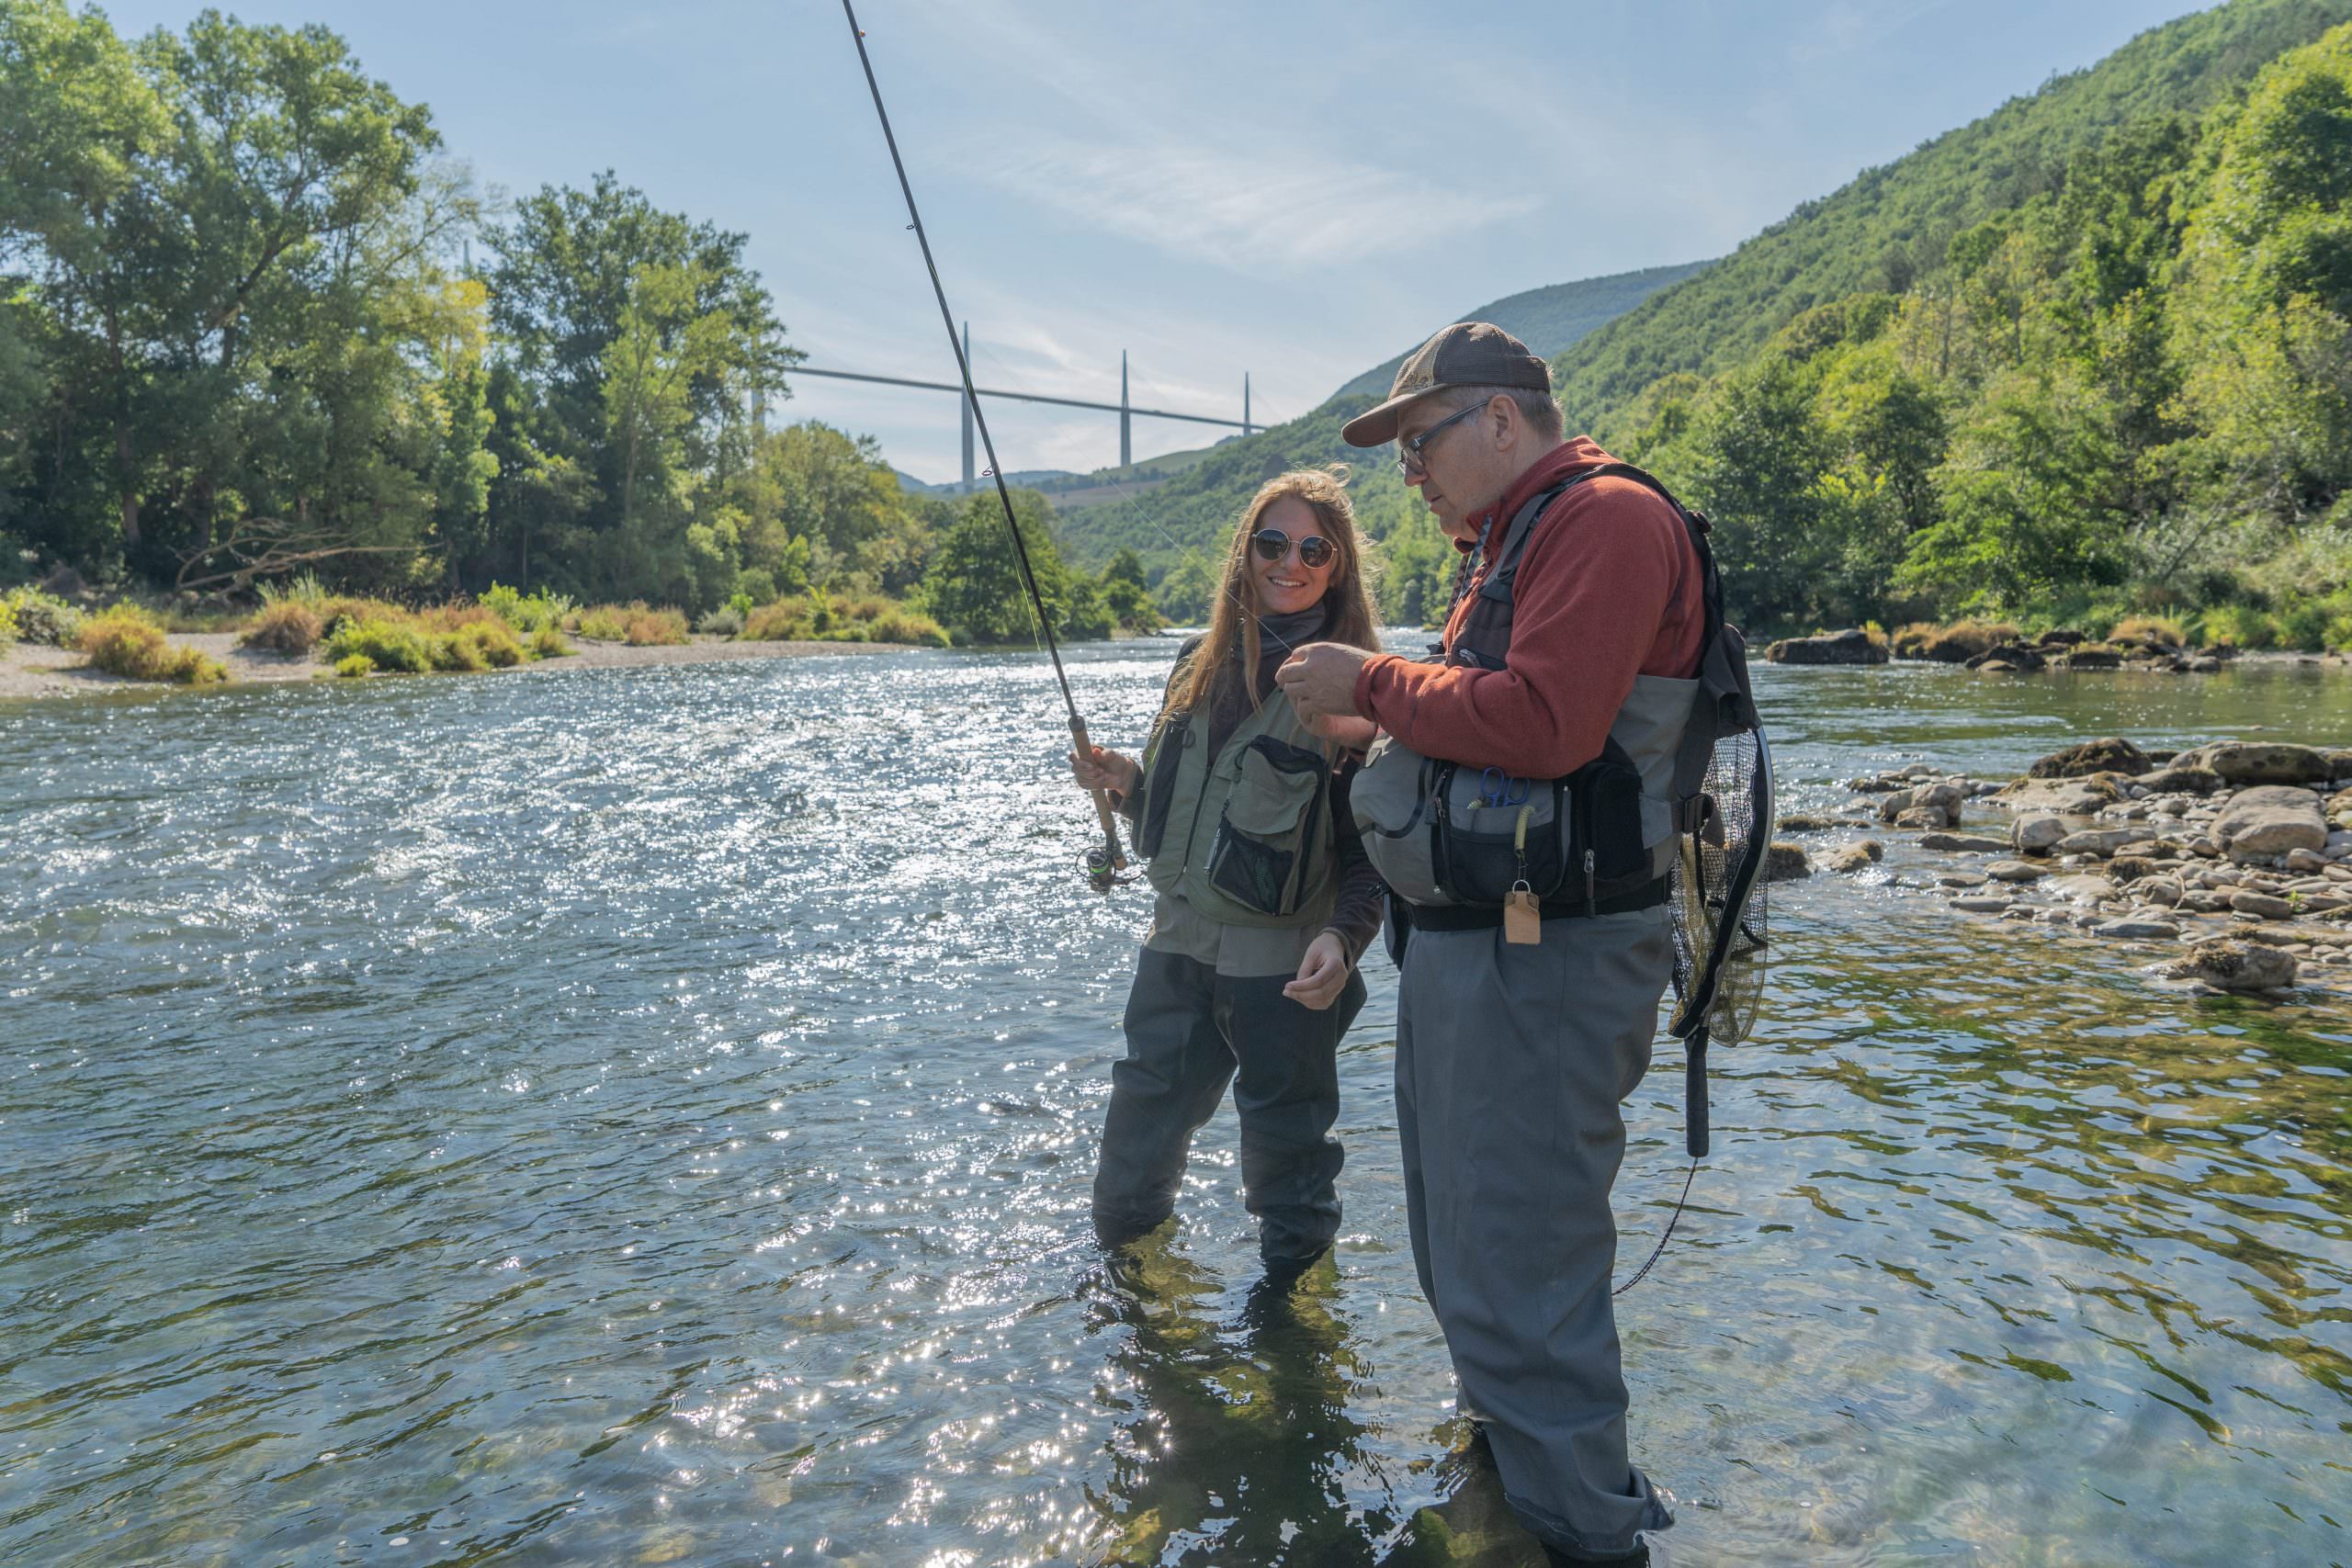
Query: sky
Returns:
{"type": "Point", "coordinates": [1295, 192]}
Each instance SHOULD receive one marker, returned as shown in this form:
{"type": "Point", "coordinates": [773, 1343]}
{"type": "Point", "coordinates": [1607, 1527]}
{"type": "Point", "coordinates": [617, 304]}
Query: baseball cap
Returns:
{"type": "Point", "coordinates": [1467, 354]}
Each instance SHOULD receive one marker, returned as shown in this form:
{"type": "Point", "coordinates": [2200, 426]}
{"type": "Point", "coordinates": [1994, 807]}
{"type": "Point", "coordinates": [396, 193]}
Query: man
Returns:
{"type": "Point", "coordinates": [1512, 1054]}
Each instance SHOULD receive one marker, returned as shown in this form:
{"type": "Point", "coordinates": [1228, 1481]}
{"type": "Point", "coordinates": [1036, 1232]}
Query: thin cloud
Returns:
{"type": "Point", "coordinates": [1288, 209]}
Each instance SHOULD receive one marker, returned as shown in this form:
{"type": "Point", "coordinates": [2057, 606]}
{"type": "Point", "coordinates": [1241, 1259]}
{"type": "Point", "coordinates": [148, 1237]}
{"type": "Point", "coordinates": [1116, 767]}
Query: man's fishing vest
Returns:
{"type": "Point", "coordinates": [1452, 840]}
{"type": "Point", "coordinates": [1244, 837]}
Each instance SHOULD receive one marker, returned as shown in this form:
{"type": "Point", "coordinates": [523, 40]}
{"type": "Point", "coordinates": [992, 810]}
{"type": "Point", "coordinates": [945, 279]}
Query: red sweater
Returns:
{"type": "Point", "coordinates": [1608, 589]}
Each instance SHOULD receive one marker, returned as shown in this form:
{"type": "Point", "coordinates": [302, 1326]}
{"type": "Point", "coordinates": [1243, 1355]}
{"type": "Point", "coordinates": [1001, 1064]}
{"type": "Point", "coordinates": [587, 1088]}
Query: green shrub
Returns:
{"type": "Point", "coordinates": [547, 643]}
{"type": "Point", "coordinates": [2305, 624]}
{"type": "Point", "coordinates": [905, 625]}
{"type": "Point", "coordinates": [492, 645]}
{"type": "Point", "coordinates": [354, 666]}
{"type": "Point", "coordinates": [7, 622]}
{"type": "Point", "coordinates": [605, 624]}
{"type": "Point", "coordinates": [43, 618]}
{"type": "Point", "coordinates": [2239, 625]}
{"type": "Point", "coordinates": [755, 585]}
{"type": "Point", "coordinates": [287, 625]}
{"type": "Point", "coordinates": [786, 620]}
{"type": "Point", "coordinates": [388, 645]}
{"type": "Point", "coordinates": [655, 628]}
{"type": "Point", "coordinates": [725, 621]}
{"type": "Point", "coordinates": [304, 588]}
{"type": "Point", "coordinates": [126, 640]}
{"type": "Point", "coordinates": [450, 651]}
{"type": "Point", "coordinates": [2158, 629]}
{"type": "Point", "coordinates": [526, 615]}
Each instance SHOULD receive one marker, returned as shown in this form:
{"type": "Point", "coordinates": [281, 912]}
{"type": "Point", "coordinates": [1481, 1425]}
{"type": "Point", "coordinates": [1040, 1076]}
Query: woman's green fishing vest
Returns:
{"type": "Point", "coordinates": [1245, 837]}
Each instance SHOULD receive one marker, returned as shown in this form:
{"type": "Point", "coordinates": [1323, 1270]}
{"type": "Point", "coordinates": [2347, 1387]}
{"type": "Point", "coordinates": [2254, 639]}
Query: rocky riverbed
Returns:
{"type": "Point", "coordinates": [2232, 861]}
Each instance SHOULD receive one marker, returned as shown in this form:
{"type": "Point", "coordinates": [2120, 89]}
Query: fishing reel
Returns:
{"type": "Point", "coordinates": [1103, 873]}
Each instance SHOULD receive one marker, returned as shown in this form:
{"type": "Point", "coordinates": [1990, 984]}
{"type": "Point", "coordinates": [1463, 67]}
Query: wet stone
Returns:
{"type": "Point", "coordinates": [2234, 965]}
{"type": "Point", "coordinates": [1980, 904]}
{"type": "Point", "coordinates": [2261, 905]}
{"type": "Point", "coordinates": [2146, 931]}
{"type": "Point", "coordinates": [2016, 871]}
{"type": "Point", "coordinates": [1963, 843]}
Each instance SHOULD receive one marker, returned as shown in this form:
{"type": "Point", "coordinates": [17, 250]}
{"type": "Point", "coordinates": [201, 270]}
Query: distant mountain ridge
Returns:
{"type": "Point", "coordinates": [1550, 320]}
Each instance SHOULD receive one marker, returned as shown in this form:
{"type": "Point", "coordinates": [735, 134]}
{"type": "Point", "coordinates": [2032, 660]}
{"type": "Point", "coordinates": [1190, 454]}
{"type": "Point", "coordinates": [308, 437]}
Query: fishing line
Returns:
{"type": "Point", "coordinates": [1104, 864]}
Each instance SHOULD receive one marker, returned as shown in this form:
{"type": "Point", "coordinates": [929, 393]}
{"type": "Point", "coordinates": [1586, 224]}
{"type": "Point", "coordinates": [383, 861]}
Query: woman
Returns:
{"type": "Point", "coordinates": [1265, 898]}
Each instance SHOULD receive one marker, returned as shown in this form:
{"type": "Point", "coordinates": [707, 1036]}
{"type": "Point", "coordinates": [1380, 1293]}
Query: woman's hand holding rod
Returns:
{"type": "Point", "coordinates": [1103, 768]}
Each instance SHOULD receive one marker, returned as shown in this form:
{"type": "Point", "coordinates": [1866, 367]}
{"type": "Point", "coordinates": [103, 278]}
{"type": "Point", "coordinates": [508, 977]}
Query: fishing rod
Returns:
{"type": "Point", "coordinates": [1104, 864]}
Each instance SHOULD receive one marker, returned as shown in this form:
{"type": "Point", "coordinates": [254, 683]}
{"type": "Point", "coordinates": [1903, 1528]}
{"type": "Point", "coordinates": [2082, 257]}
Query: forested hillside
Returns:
{"type": "Point", "coordinates": [1893, 224]}
{"type": "Point", "coordinates": [2129, 390]}
{"type": "Point", "coordinates": [2089, 356]}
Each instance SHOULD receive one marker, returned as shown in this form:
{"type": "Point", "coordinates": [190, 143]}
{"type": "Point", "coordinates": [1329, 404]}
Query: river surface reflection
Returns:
{"type": "Point", "coordinates": [646, 1116]}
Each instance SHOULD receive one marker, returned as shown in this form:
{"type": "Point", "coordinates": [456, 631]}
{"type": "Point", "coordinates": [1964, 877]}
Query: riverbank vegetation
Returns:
{"type": "Point", "coordinates": [255, 322]}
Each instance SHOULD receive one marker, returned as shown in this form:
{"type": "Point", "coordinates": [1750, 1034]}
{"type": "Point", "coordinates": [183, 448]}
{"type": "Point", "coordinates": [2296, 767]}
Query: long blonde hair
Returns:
{"type": "Point", "coordinates": [1233, 621]}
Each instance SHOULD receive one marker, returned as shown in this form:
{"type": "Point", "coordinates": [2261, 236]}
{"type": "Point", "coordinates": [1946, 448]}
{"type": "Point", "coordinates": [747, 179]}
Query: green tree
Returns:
{"type": "Point", "coordinates": [1125, 595]}
{"type": "Point", "coordinates": [973, 586]}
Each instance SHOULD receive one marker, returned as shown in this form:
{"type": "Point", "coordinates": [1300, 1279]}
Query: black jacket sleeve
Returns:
{"type": "Point", "coordinates": [1355, 919]}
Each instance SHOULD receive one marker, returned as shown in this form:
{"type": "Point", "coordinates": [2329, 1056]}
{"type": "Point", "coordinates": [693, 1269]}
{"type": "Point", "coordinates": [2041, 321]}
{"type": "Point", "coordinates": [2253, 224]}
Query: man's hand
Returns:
{"type": "Point", "coordinates": [1320, 974]}
{"type": "Point", "coordinates": [1320, 681]}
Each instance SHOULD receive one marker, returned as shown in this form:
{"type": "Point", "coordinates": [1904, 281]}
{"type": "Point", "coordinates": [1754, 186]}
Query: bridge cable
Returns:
{"type": "Point", "coordinates": [1104, 864]}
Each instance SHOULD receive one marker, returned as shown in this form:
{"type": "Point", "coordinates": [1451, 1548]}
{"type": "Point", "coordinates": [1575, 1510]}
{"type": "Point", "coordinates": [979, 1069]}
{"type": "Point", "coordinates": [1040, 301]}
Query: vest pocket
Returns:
{"type": "Point", "coordinates": [1476, 842]}
{"type": "Point", "coordinates": [1265, 837]}
{"type": "Point", "coordinates": [1613, 838]}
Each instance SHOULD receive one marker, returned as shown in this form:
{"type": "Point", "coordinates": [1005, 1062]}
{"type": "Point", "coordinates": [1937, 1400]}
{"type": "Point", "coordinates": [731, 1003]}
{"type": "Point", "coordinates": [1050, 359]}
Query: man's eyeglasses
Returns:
{"type": "Point", "coordinates": [1408, 453]}
{"type": "Point", "coordinates": [1315, 551]}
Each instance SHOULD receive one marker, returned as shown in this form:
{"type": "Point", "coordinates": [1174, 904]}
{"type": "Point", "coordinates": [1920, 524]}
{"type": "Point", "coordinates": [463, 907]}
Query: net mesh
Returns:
{"type": "Point", "coordinates": [1718, 896]}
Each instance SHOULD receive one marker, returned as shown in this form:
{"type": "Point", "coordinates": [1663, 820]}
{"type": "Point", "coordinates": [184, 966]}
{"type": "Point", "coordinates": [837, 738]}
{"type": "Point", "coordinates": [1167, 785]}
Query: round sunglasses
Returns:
{"type": "Point", "coordinates": [1315, 551]}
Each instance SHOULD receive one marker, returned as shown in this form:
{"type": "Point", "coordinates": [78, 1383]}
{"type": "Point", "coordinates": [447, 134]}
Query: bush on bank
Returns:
{"type": "Point", "coordinates": [127, 640]}
{"type": "Point", "coordinates": [837, 618]}
{"type": "Point", "coordinates": [35, 616]}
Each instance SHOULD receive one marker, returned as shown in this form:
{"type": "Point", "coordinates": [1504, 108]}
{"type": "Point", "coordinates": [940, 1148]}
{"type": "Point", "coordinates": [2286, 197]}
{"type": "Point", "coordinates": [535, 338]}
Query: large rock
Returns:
{"type": "Point", "coordinates": [1858, 857]}
{"type": "Point", "coordinates": [2177, 780]}
{"type": "Point", "coordinates": [1851, 647]}
{"type": "Point", "coordinates": [2035, 835]}
{"type": "Point", "coordinates": [2261, 905]}
{"type": "Point", "coordinates": [2270, 819]}
{"type": "Point", "coordinates": [2111, 755]}
{"type": "Point", "coordinates": [2094, 658]}
{"type": "Point", "coordinates": [2259, 763]}
{"type": "Point", "coordinates": [2008, 656]}
{"type": "Point", "coordinates": [1940, 798]}
{"type": "Point", "coordinates": [2101, 842]}
{"type": "Point", "coordinates": [2235, 966]}
{"type": "Point", "coordinates": [1785, 862]}
{"type": "Point", "coordinates": [2061, 797]}
{"type": "Point", "coordinates": [2016, 871]}
{"type": "Point", "coordinates": [2081, 890]}
{"type": "Point", "coordinates": [1963, 843]}
{"type": "Point", "coordinates": [2143, 931]}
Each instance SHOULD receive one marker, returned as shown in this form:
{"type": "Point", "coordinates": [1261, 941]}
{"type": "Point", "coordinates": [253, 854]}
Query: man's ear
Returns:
{"type": "Point", "coordinates": [1507, 425]}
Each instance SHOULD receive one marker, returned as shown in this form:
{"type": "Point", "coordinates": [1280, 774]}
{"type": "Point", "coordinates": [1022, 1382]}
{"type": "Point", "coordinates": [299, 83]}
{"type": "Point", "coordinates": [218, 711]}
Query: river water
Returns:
{"type": "Point", "coordinates": [646, 1116]}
